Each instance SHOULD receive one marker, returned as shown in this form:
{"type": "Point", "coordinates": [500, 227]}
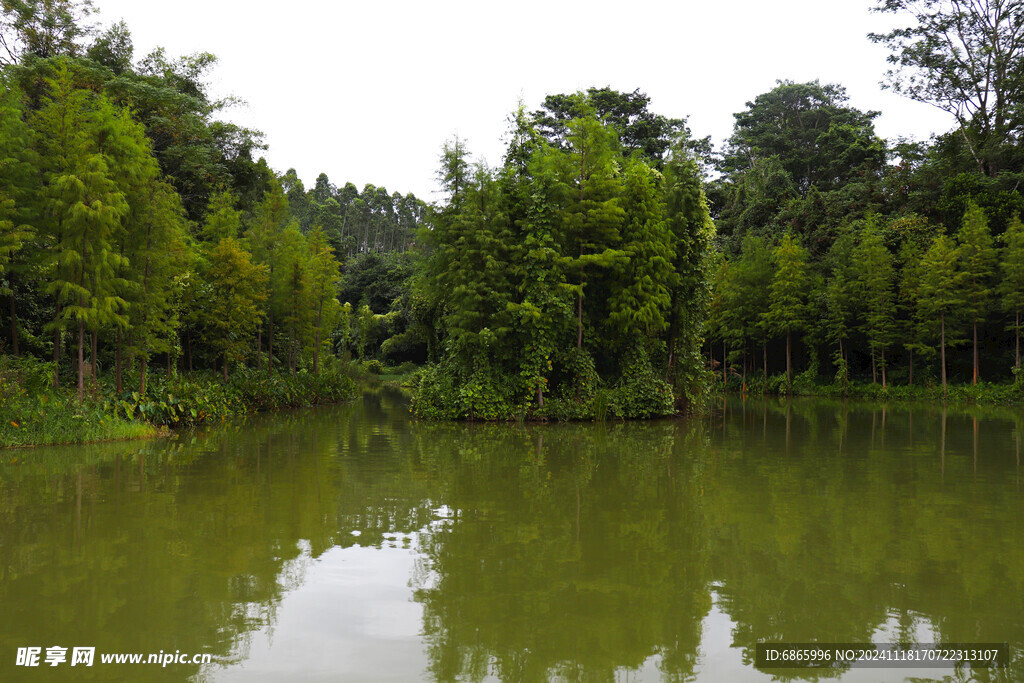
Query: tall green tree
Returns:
{"type": "Point", "coordinates": [158, 255]}
{"type": "Point", "coordinates": [1011, 287]}
{"type": "Point", "coordinates": [593, 214]}
{"type": "Point", "coordinates": [978, 261]}
{"type": "Point", "coordinates": [237, 288]}
{"type": "Point", "coordinates": [84, 209]}
{"type": "Point", "coordinates": [324, 278]}
{"type": "Point", "coordinates": [914, 325]}
{"type": "Point", "coordinates": [641, 286]}
{"type": "Point", "coordinates": [272, 217]}
{"type": "Point", "coordinates": [875, 285]}
{"type": "Point", "coordinates": [941, 292]}
{"type": "Point", "coordinates": [787, 309]}
{"type": "Point", "coordinates": [17, 190]}
{"type": "Point", "coordinates": [692, 230]}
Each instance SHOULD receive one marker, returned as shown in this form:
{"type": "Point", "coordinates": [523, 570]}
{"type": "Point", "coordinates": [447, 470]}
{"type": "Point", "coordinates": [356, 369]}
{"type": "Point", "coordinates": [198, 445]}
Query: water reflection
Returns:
{"type": "Point", "coordinates": [353, 543]}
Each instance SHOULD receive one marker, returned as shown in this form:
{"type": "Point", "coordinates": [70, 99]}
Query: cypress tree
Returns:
{"type": "Point", "coordinates": [1011, 288]}
{"type": "Point", "coordinates": [978, 260]}
{"type": "Point", "coordinates": [941, 291]}
{"type": "Point", "coordinates": [324, 278]}
{"type": "Point", "coordinates": [16, 190]}
{"type": "Point", "coordinates": [84, 209]}
{"type": "Point", "coordinates": [875, 286]}
{"type": "Point", "coordinates": [237, 289]}
{"type": "Point", "coordinates": [787, 309]}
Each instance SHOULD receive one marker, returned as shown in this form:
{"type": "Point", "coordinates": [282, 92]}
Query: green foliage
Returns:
{"type": "Point", "coordinates": [540, 279]}
{"type": "Point", "coordinates": [640, 392]}
{"type": "Point", "coordinates": [237, 288]}
{"type": "Point", "coordinates": [875, 290]}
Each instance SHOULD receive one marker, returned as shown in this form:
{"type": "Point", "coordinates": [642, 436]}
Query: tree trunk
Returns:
{"type": "Point", "coordinates": [56, 348]}
{"type": "Point", "coordinates": [725, 377]}
{"type": "Point", "coordinates": [764, 351]}
{"type": "Point", "coordinates": [874, 368]}
{"type": "Point", "coordinates": [168, 363]}
{"type": "Point", "coordinates": [270, 344]}
{"type": "Point", "coordinates": [744, 387]}
{"type": "Point", "coordinates": [540, 392]}
{"type": "Point", "coordinates": [117, 362]}
{"type": "Point", "coordinates": [975, 378]}
{"type": "Point", "coordinates": [259, 348]}
{"type": "Point", "coordinates": [188, 348]}
{"type": "Point", "coordinates": [911, 367]}
{"type": "Point", "coordinates": [579, 318]}
{"type": "Point", "coordinates": [225, 367]}
{"type": "Point", "coordinates": [883, 367]}
{"type": "Point", "coordinates": [942, 338]}
{"type": "Point", "coordinates": [789, 358]}
{"type": "Point", "coordinates": [95, 347]}
{"type": "Point", "coordinates": [142, 375]}
{"type": "Point", "coordinates": [316, 337]}
{"type": "Point", "coordinates": [81, 361]}
{"type": "Point", "coordinates": [14, 325]}
{"type": "Point", "coordinates": [1016, 331]}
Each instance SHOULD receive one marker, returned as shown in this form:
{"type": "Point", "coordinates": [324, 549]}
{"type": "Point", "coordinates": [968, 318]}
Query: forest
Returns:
{"type": "Point", "coordinates": [613, 264]}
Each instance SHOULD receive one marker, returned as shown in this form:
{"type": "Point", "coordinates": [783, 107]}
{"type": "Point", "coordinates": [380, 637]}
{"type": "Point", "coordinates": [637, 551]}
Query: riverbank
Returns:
{"type": "Point", "coordinates": [34, 413]}
{"type": "Point", "coordinates": [982, 393]}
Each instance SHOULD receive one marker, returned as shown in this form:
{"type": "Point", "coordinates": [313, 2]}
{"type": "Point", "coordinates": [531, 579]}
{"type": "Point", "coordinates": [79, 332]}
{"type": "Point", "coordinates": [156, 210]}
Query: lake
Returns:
{"type": "Point", "coordinates": [353, 543]}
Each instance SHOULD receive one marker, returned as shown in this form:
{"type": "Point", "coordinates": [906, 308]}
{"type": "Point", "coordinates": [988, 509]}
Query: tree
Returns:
{"type": "Point", "coordinates": [84, 209]}
{"type": "Point", "coordinates": [787, 309]}
{"type": "Point", "coordinates": [840, 294]}
{"type": "Point", "coordinates": [941, 290]}
{"type": "Point", "coordinates": [915, 325]}
{"type": "Point", "coordinates": [977, 257]}
{"type": "Point", "coordinates": [541, 307]}
{"type": "Point", "coordinates": [593, 214]}
{"type": "Point", "coordinates": [290, 291]}
{"type": "Point", "coordinates": [237, 288]}
{"type": "Point", "coordinates": [692, 230]}
{"type": "Point", "coordinates": [16, 192]}
{"type": "Point", "coordinates": [222, 219]}
{"type": "Point", "coordinates": [272, 216]}
{"type": "Point", "coordinates": [114, 49]}
{"type": "Point", "coordinates": [639, 130]}
{"type": "Point", "coordinates": [324, 280]}
{"type": "Point", "coordinates": [967, 59]}
{"type": "Point", "coordinates": [1011, 287]}
{"type": "Point", "coordinates": [754, 272]}
{"type": "Point", "coordinates": [158, 255]}
{"type": "Point", "coordinates": [43, 28]}
{"type": "Point", "coordinates": [641, 286]}
{"type": "Point", "coordinates": [875, 279]}
{"type": "Point", "coordinates": [818, 138]}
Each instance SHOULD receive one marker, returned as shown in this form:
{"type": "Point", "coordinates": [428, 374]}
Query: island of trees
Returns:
{"type": "Point", "coordinates": [153, 266]}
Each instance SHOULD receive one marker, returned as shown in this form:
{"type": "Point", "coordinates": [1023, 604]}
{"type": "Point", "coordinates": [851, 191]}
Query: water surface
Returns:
{"type": "Point", "coordinates": [352, 543]}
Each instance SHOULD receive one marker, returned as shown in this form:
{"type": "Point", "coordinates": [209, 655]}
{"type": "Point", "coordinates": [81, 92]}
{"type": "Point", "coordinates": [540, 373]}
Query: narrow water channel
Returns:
{"type": "Point", "coordinates": [355, 544]}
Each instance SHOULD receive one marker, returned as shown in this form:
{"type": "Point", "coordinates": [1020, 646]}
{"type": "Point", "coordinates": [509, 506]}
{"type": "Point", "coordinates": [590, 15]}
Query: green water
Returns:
{"type": "Point", "coordinates": [354, 544]}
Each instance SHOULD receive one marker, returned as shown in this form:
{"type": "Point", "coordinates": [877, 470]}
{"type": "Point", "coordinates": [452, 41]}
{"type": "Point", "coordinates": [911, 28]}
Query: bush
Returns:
{"type": "Point", "coordinates": [639, 393]}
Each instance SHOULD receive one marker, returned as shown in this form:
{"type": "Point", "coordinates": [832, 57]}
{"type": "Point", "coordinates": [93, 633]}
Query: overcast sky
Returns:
{"type": "Point", "coordinates": [369, 91]}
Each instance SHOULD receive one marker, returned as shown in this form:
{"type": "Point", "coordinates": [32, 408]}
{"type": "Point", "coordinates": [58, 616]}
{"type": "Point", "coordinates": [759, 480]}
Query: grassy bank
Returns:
{"type": "Point", "coordinates": [33, 413]}
{"type": "Point", "coordinates": [806, 384]}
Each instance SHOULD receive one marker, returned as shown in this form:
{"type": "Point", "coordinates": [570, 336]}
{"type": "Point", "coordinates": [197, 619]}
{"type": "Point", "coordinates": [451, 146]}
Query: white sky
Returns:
{"type": "Point", "coordinates": [368, 91]}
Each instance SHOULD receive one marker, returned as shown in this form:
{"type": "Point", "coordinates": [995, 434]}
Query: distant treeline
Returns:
{"type": "Point", "coordinates": [849, 256]}
{"type": "Point", "coordinates": [135, 224]}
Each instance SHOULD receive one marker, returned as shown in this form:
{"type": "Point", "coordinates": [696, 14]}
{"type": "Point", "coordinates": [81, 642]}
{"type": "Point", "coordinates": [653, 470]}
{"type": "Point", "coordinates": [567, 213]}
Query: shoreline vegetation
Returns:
{"type": "Point", "coordinates": [36, 414]}
{"type": "Point", "coordinates": [603, 269]}
{"type": "Point", "coordinates": [809, 385]}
